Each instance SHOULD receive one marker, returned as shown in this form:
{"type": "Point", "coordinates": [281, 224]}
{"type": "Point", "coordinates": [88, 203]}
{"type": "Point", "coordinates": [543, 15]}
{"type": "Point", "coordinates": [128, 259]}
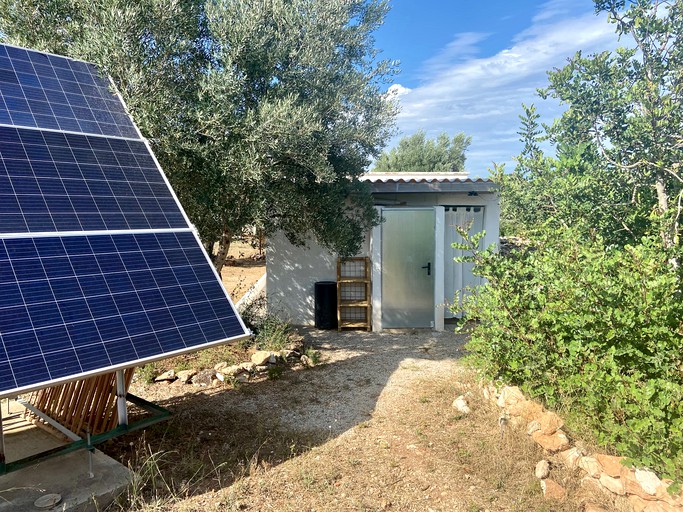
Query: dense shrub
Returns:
{"type": "Point", "coordinates": [595, 330]}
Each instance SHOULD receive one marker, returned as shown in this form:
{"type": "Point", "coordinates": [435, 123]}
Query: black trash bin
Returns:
{"type": "Point", "coordinates": [326, 305]}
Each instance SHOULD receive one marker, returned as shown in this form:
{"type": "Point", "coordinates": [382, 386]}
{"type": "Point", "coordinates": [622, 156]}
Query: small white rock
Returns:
{"type": "Point", "coordinates": [460, 404]}
{"type": "Point", "coordinates": [648, 481]}
{"type": "Point", "coordinates": [542, 469]}
{"type": "Point", "coordinates": [533, 426]}
{"type": "Point", "coordinates": [168, 375]}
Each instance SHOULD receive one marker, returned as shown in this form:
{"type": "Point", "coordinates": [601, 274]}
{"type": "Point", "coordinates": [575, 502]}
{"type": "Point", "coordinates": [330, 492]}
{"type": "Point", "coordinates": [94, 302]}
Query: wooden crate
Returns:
{"type": "Point", "coordinates": [354, 293]}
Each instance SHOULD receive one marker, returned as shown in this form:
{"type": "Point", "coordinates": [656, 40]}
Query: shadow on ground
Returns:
{"type": "Point", "coordinates": [217, 436]}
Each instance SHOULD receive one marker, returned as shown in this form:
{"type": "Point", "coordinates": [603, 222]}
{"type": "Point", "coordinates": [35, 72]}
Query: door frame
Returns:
{"type": "Point", "coordinates": [439, 272]}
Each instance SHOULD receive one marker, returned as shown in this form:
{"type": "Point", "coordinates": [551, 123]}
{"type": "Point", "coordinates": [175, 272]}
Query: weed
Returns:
{"type": "Point", "coordinates": [270, 331]}
{"type": "Point", "coordinates": [147, 373]}
{"type": "Point", "coordinates": [275, 372]}
{"type": "Point", "coordinates": [313, 355]}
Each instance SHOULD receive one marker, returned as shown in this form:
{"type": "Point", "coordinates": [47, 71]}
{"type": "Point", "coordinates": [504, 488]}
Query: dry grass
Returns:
{"type": "Point", "coordinates": [417, 455]}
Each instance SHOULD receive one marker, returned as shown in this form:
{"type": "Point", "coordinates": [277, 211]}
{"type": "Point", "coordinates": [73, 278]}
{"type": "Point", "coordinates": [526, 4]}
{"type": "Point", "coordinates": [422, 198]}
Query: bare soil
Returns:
{"type": "Point", "coordinates": [244, 266]}
{"type": "Point", "coordinates": [372, 428]}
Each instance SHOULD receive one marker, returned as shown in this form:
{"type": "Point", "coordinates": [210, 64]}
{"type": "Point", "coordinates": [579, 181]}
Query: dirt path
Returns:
{"type": "Point", "coordinates": [363, 374]}
{"type": "Point", "coordinates": [370, 429]}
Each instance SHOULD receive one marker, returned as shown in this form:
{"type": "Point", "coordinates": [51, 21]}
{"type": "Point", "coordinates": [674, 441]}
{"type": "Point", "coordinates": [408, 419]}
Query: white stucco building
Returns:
{"type": "Point", "coordinates": [414, 276]}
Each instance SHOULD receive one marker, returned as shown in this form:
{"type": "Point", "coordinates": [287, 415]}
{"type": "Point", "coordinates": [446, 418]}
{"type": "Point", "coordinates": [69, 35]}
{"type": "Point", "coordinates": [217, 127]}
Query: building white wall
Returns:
{"type": "Point", "coordinates": [293, 271]}
{"type": "Point", "coordinates": [291, 276]}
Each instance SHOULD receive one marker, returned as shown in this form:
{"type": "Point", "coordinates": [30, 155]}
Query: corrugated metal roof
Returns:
{"type": "Point", "coordinates": [426, 182]}
{"type": "Point", "coordinates": [420, 177]}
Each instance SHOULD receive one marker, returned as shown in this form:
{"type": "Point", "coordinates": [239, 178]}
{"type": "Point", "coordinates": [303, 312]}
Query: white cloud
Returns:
{"type": "Point", "coordinates": [397, 90]}
{"type": "Point", "coordinates": [482, 95]}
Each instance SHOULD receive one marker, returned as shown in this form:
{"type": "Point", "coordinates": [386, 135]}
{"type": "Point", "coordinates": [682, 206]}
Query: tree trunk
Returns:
{"type": "Point", "coordinates": [663, 202]}
{"type": "Point", "coordinates": [668, 229]}
{"type": "Point", "coordinates": [223, 248]}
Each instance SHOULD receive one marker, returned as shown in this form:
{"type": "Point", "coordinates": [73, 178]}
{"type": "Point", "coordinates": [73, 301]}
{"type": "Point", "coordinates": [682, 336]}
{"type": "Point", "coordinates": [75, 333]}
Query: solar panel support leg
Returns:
{"type": "Point", "coordinates": [121, 404]}
{"type": "Point", "coordinates": [2, 440]}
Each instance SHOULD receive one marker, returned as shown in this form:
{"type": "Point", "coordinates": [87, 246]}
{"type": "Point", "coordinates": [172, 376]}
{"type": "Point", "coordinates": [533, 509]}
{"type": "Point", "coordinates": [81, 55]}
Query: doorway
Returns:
{"type": "Point", "coordinates": [408, 267]}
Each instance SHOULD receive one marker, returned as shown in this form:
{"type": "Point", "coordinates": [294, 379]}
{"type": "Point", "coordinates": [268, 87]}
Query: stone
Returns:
{"type": "Point", "coordinates": [591, 486]}
{"type": "Point", "coordinates": [260, 357]}
{"type": "Point", "coordinates": [570, 458]}
{"type": "Point", "coordinates": [220, 377]}
{"type": "Point", "coordinates": [637, 503]}
{"type": "Point", "coordinates": [219, 366]}
{"type": "Point", "coordinates": [204, 377]}
{"type": "Point", "coordinates": [460, 404]}
{"type": "Point", "coordinates": [296, 347]}
{"type": "Point", "coordinates": [552, 490]}
{"type": "Point", "coordinates": [610, 464]}
{"type": "Point", "coordinates": [590, 466]}
{"type": "Point", "coordinates": [261, 368]}
{"type": "Point", "coordinates": [542, 470]}
{"type": "Point", "coordinates": [592, 507]}
{"type": "Point", "coordinates": [234, 370]}
{"type": "Point", "coordinates": [306, 361]}
{"type": "Point", "coordinates": [654, 488]}
{"type": "Point", "coordinates": [526, 410]}
{"type": "Point", "coordinates": [490, 393]}
{"type": "Point", "coordinates": [242, 378]}
{"type": "Point", "coordinates": [660, 506]}
{"type": "Point", "coordinates": [509, 396]}
{"type": "Point", "coordinates": [289, 355]}
{"type": "Point", "coordinates": [249, 367]}
{"type": "Point", "coordinates": [185, 376]}
{"type": "Point", "coordinates": [612, 484]}
{"type": "Point", "coordinates": [533, 426]}
{"type": "Point", "coordinates": [648, 481]}
{"type": "Point", "coordinates": [556, 442]}
{"type": "Point", "coordinates": [166, 376]}
{"type": "Point", "coordinates": [549, 422]}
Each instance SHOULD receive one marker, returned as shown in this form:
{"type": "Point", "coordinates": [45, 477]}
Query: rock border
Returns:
{"type": "Point", "coordinates": [641, 488]}
{"type": "Point", "coordinates": [261, 361]}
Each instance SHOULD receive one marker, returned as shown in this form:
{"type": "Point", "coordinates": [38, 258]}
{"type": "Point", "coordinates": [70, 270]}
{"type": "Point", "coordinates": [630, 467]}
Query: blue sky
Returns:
{"type": "Point", "coordinates": [468, 66]}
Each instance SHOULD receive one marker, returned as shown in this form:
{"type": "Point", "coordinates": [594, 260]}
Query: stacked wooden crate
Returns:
{"type": "Point", "coordinates": [354, 287]}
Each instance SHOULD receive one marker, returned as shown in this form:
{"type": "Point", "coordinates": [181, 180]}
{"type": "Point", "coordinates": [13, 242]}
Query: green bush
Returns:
{"type": "Point", "coordinates": [270, 331]}
{"type": "Point", "coordinates": [595, 330]}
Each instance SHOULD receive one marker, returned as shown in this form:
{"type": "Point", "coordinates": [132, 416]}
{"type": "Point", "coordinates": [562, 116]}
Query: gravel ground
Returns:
{"type": "Point", "coordinates": [361, 373]}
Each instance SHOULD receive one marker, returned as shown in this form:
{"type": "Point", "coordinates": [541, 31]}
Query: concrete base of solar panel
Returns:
{"type": "Point", "coordinates": [71, 483]}
{"type": "Point", "coordinates": [88, 442]}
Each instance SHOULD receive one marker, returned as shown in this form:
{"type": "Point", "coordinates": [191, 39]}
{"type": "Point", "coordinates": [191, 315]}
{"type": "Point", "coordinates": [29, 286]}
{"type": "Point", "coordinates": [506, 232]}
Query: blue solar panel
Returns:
{"type": "Point", "coordinates": [86, 302]}
{"type": "Point", "coordinates": [68, 182]}
{"type": "Point", "coordinates": [99, 268]}
{"type": "Point", "coordinates": [46, 91]}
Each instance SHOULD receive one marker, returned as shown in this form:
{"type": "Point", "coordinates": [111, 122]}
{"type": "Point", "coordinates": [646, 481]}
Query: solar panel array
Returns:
{"type": "Point", "coordinates": [99, 267]}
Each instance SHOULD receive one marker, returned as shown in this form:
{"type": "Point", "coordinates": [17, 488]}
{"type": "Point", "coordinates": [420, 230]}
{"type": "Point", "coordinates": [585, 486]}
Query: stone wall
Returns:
{"type": "Point", "coordinates": [641, 489]}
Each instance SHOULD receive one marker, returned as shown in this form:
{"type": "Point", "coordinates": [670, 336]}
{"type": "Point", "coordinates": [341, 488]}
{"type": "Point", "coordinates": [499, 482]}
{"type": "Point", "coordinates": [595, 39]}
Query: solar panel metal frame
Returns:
{"type": "Point", "coordinates": [189, 229]}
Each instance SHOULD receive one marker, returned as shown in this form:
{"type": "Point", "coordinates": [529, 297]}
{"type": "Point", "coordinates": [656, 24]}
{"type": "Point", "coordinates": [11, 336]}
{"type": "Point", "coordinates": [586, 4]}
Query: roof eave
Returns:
{"type": "Point", "coordinates": [433, 187]}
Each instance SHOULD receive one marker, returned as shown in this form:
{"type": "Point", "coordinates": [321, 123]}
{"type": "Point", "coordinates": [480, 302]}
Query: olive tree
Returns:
{"type": "Point", "coordinates": [261, 113]}
{"type": "Point", "coordinates": [416, 153]}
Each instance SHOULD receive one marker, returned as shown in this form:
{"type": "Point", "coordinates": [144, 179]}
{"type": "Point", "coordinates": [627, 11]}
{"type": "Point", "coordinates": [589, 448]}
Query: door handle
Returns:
{"type": "Point", "coordinates": [428, 266]}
